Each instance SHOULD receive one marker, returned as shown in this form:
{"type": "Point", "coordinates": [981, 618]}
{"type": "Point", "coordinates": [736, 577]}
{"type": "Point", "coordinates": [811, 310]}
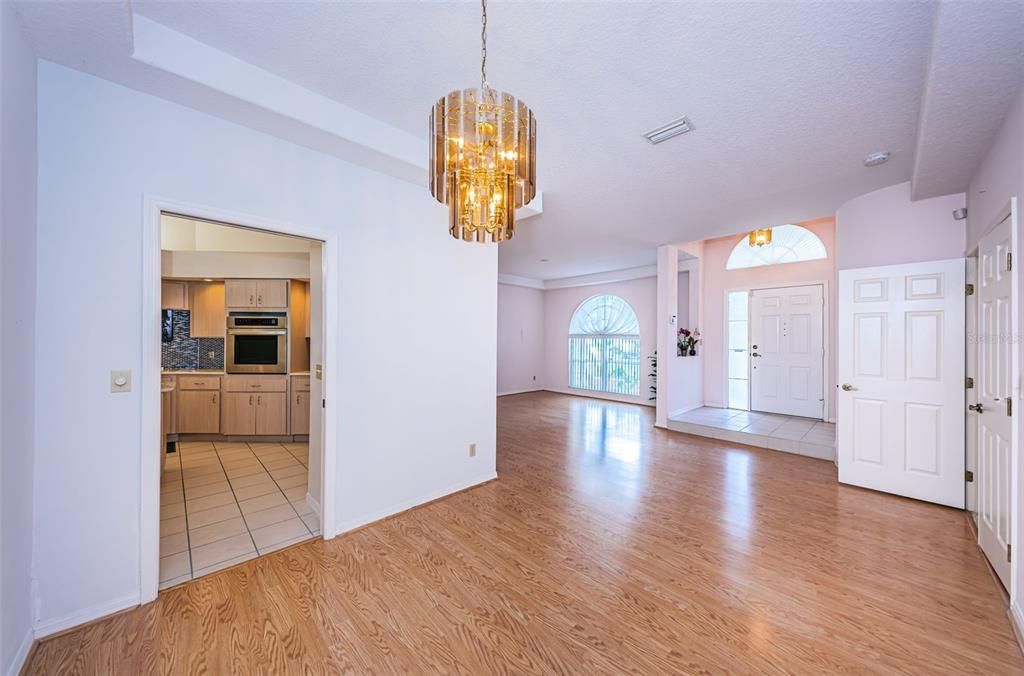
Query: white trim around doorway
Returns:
{"type": "Point", "coordinates": [149, 513]}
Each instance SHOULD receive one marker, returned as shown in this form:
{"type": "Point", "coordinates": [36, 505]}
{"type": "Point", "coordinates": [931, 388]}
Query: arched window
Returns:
{"type": "Point", "coordinates": [604, 346]}
{"type": "Point", "coordinates": [790, 244]}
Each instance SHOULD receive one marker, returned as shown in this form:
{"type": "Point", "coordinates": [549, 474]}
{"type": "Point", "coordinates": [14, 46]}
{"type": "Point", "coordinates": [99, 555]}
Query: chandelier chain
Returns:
{"type": "Point", "coordinates": [483, 45]}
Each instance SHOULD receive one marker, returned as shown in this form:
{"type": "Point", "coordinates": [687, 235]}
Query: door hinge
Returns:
{"type": "Point", "coordinates": [969, 383]}
{"type": "Point", "coordinates": [1009, 553]}
{"type": "Point", "coordinates": [970, 290]}
{"type": "Point", "coordinates": [1009, 261]}
{"type": "Point", "coordinates": [968, 476]}
{"type": "Point", "coordinates": [1009, 406]}
{"type": "Point", "coordinates": [323, 403]}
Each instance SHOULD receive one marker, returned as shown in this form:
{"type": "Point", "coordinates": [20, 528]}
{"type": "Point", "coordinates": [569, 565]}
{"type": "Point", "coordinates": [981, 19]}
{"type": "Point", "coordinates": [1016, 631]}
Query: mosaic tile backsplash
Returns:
{"type": "Point", "coordinates": [185, 353]}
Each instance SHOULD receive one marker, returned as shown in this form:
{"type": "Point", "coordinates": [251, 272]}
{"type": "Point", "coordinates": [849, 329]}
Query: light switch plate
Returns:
{"type": "Point", "coordinates": [121, 381]}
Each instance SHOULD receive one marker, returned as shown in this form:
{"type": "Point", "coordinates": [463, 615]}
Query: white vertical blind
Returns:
{"type": "Point", "coordinates": [604, 346]}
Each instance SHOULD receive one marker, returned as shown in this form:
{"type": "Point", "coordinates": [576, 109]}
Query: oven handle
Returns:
{"type": "Point", "coordinates": [257, 332]}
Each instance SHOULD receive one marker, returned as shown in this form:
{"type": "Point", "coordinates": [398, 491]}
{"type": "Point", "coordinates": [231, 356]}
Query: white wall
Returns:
{"type": "Point", "coordinates": [417, 315]}
{"type": "Point", "coordinates": [559, 305]}
{"type": "Point", "coordinates": [520, 339]}
{"type": "Point", "coordinates": [17, 339]}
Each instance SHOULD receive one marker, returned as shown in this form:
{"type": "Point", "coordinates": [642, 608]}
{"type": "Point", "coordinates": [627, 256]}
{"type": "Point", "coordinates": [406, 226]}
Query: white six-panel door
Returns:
{"type": "Point", "coordinates": [787, 351]}
{"type": "Point", "coordinates": [995, 327]}
{"type": "Point", "coordinates": [901, 374]}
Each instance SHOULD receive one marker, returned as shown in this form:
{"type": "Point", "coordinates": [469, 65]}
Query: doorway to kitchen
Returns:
{"type": "Point", "coordinates": [238, 466]}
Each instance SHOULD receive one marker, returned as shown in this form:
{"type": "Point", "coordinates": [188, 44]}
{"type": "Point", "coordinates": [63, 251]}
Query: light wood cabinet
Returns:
{"type": "Point", "coordinates": [255, 383]}
{"type": "Point", "coordinates": [246, 413]}
{"type": "Point", "coordinates": [299, 405]}
{"type": "Point", "coordinates": [198, 412]}
{"type": "Point", "coordinates": [239, 413]}
{"type": "Point", "coordinates": [256, 294]}
{"type": "Point", "coordinates": [298, 320]}
{"type": "Point", "coordinates": [272, 294]}
{"type": "Point", "coordinates": [207, 303]}
{"type": "Point", "coordinates": [272, 413]}
{"type": "Point", "coordinates": [173, 295]}
{"type": "Point", "coordinates": [240, 293]}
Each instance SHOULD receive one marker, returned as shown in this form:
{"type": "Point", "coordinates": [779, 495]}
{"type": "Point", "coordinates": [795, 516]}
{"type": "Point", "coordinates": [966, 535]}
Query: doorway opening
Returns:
{"type": "Point", "coordinates": [239, 462]}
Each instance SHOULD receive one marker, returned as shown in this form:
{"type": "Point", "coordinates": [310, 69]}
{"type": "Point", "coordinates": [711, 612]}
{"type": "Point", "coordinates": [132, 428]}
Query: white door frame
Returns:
{"type": "Point", "coordinates": [1009, 211]}
{"type": "Point", "coordinates": [828, 415]}
{"type": "Point", "coordinates": [149, 513]}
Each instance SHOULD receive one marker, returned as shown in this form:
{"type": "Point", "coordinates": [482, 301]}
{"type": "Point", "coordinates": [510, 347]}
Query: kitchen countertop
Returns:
{"type": "Point", "coordinates": [221, 372]}
{"type": "Point", "coordinates": [192, 372]}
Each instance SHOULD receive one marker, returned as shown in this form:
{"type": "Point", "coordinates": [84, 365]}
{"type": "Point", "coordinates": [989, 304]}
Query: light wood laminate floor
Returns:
{"type": "Point", "coordinates": [605, 546]}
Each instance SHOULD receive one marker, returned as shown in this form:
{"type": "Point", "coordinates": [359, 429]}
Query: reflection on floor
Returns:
{"type": "Point", "coordinates": [224, 503]}
{"type": "Point", "coordinates": [765, 430]}
{"type": "Point", "coordinates": [605, 546]}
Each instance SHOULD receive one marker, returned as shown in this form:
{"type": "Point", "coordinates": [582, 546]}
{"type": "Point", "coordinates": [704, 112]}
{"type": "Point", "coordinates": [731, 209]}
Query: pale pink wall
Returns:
{"type": "Point", "coordinates": [520, 339]}
{"type": "Point", "coordinates": [885, 228]}
{"type": "Point", "coordinates": [1000, 177]}
{"type": "Point", "coordinates": [718, 280]}
{"type": "Point", "coordinates": [558, 308]}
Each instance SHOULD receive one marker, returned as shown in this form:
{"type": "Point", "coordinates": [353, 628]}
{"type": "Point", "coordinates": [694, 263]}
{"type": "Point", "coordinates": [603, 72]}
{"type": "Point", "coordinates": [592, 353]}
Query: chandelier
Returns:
{"type": "Point", "coordinates": [760, 237]}
{"type": "Point", "coordinates": [483, 161]}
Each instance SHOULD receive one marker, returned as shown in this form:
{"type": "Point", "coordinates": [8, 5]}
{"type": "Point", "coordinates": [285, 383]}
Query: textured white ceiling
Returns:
{"type": "Point", "coordinates": [786, 98]}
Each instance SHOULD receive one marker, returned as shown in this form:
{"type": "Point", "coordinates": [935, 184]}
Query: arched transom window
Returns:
{"type": "Point", "coordinates": [790, 244]}
{"type": "Point", "coordinates": [604, 346]}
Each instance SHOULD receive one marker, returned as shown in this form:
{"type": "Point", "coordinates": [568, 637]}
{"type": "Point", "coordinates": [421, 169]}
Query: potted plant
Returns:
{"type": "Point", "coordinates": [687, 340]}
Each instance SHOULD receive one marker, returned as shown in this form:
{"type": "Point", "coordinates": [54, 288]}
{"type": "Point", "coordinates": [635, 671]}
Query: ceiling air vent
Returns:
{"type": "Point", "coordinates": [673, 128]}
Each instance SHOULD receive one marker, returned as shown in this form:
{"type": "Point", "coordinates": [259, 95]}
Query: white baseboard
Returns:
{"type": "Point", "coordinates": [46, 627]}
{"type": "Point", "coordinates": [587, 394]}
{"type": "Point", "coordinates": [1017, 618]}
{"type": "Point", "coordinates": [505, 394]}
{"type": "Point", "coordinates": [365, 519]}
{"type": "Point", "coordinates": [23, 650]}
{"type": "Point", "coordinates": [313, 504]}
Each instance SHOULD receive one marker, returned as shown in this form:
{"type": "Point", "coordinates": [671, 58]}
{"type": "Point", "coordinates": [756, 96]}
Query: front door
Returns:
{"type": "Point", "coordinates": [901, 370]}
{"type": "Point", "coordinates": [995, 388]}
{"type": "Point", "coordinates": [787, 351]}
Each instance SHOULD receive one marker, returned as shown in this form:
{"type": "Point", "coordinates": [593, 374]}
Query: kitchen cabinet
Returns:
{"type": "Point", "coordinates": [173, 295]}
{"type": "Point", "coordinates": [256, 405]}
{"type": "Point", "coordinates": [272, 413]}
{"type": "Point", "coordinates": [207, 303]}
{"type": "Point", "coordinates": [299, 405]}
{"type": "Point", "coordinates": [239, 413]}
{"type": "Point", "coordinates": [255, 414]}
{"type": "Point", "coordinates": [198, 412]}
{"type": "Point", "coordinates": [256, 294]}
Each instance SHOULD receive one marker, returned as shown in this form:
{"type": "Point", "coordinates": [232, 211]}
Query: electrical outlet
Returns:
{"type": "Point", "coordinates": [472, 450]}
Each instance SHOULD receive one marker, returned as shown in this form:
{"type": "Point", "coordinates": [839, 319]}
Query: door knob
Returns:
{"type": "Point", "coordinates": [754, 354]}
{"type": "Point", "coordinates": [979, 407]}
{"type": "Point", "coordinates": [847, 387]}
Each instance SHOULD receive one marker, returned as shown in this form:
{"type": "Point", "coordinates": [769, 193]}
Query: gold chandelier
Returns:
{"type": "Point", "coordinates": [761, 237]}
{"type": "Point", "coordinates": [482, 157]}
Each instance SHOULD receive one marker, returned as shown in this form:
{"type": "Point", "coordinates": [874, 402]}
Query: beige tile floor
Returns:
{"type": "Point", "coordinates": [804, 436]}
{"type": "Point", "coordinates": [222, 503]}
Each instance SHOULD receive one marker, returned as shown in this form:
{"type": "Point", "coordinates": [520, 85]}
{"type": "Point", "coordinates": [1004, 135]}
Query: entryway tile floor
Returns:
{"type": "Point", "coordinates": [222, 503]}
{"type": "Point", "coordinates": [792, 434]}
